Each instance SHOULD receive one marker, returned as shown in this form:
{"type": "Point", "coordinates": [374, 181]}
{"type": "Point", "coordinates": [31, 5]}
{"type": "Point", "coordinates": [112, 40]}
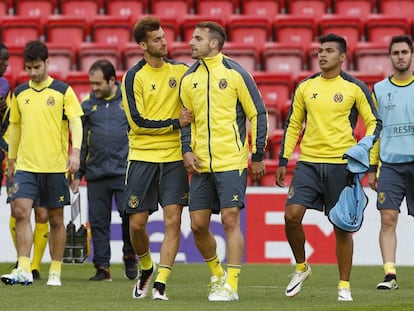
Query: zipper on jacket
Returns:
{"type": "Point", "coordinates": [208, 118]}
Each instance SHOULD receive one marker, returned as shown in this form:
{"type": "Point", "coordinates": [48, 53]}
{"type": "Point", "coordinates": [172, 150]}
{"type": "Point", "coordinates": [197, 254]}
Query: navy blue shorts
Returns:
{"type": "Point", "coordinates": [218, 190]}
{"type": "Point", "coordinates": [151, 183]}
{"type": "Point", "coordinates": [396, 181]}
{"type": "Point", "coordinates": [317, 185]}
{"type": "Point", "coordinates": [51, 189]}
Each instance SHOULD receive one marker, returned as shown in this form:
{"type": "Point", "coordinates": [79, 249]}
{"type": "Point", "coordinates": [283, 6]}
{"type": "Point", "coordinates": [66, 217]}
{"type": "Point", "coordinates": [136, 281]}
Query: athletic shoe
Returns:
{"type": "Point", "coordinates": [158, 292]}
{"type": "Point", "coordinates": [390, 282]}
{"type": "Point", "coordinates": [17, 276]}
{"type": "Point", "coordinates": [224, 293]}
{"type": "Point", "coordinates": [216, 283]}
{"type": "Point", "coordinates": [36, 275]}
{"type": "Point", "coordinates": [295, 284]}
{"type": "Point", "coordinates": [142, 286]}
{"type": "Point", "coordinates": [344, 294]}
{"type": "Point", "coordinates": [54, 279]}
{"type": "Point", "coordinates": [130, 263]}
{"type": "Point", "coordinates": [102, 274]}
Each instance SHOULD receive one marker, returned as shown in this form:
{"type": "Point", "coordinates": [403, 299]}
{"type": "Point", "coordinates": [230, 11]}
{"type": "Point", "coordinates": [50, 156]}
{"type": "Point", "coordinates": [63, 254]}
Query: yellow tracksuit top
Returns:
{"type": "Point", "coordinates": [41, 111]}
{"type": "Point", "coordinates": [326, 110]}
{"type": "Point", "coordinates": [222, 96]}
{"type": "Point", "coordinates": [152, 107]}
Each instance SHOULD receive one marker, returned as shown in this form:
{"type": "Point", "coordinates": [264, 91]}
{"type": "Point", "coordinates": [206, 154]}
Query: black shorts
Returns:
{"type": "Point", "coordinates": [317, 185]}
{"type": "Point", "coordinates": [52, 189]}
{"type": "Point", "coordinates": [151, 183]}
{"type": "Point", "coordinates": [396, 181]}
{"type": "Point", "coordinates": [218, 190]}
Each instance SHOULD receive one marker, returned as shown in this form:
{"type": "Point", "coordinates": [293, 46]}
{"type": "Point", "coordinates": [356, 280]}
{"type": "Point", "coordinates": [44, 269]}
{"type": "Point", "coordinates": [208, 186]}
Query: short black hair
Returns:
{"type": "Point", "coordinates": [145, 25]}
{"type": "Point", "coordinates": [35, 50]}
{"type": "Point", "coordinates": [216, 31]}
{"type": "Point", "coordinates": [401, 38]}
{"type": "Point", "coordinates": [331, 37]}
{"type": "Point", "coordinates": [106, 67]}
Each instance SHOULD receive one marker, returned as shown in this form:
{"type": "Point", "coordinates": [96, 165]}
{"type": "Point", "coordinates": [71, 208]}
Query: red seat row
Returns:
{"type": "Point", "coordinates": [178, 8]}
{"type": "Point", "coordinates": [371, 58]}
{"type": "Point", "coordinates": [287, 28]}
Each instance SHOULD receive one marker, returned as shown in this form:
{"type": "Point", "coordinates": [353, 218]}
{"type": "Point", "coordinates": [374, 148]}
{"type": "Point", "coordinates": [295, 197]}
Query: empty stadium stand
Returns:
{"type": "Point", "coordinates": [275, 40]}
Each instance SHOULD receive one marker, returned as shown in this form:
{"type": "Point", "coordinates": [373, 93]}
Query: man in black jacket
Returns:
{"type": "Point", "coordinates": [103, 163]}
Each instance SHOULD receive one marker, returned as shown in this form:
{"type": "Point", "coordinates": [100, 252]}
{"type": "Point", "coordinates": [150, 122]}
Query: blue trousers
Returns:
{"type": "Point", "coordinates": [102, 194]}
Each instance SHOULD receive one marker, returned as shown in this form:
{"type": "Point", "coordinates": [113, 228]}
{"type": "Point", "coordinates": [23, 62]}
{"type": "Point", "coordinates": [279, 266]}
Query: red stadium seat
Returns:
{"type": "Point", "coordinates": [276, 90]}
{"type": "Point", "coordinates": [62, 29]}
{"type": "Point", "coordinates": [249, 29]}
{"type": "Point", "coordinates": [175, 9]}
{"type": "Point", "coordinates": [109, 29]}
{"type": "Point", "coordinates": [90, 52]}
{"type": "Point", "coordinates": [368, 78]}
{"type": "Point", "coordinates": [275, 140]}
{"type": "Point", "coordinates": [82, 8]}
{"type": "Point", "coordinates": [21, 77]}
{"type": "Point", "coordinates": [79, 81]}
{"type": "Point", "coordinates": [275, 123]}
{"type": "Point", "coordinates": [311, 8]}
{"type": "Point", "coordinates": [119, 74]}
{"type": "Point", "coordinates": [351, 28]}
{"type": "Point", "coordinates": [280, 57]}
{"type": "Point", "coordinates": [355, 8]}
{"type": "Point", "coordinates": [262, 8]}
{"type": "Point", "coordinates": [131, 54]}
{"type": "Point", "coordinates": [217, 8]}
{"type": "Point", "coordinates": [126, 7]}
{"type": "Point", "coordinates": [172, 30]}
{"type": "Point", "coordinates": [246, 55]}
{"type": "Point", "coordinates": [292, 29]}
{"type": "Point", "coordinates": [190, 21]}
{"type": "Point", "coordinates": [271, 165]}
{"type": "Point", "coordinates": [402, 8]}
{"type": "Point", "coordinates": [18, 30]}
{"type": "Point", "coordinates": [181, 51]}
{"type": "Point", "coordinates": [268, 179]}
{"type": "Point", "coordinates": [61, 58]}
{"type": "Point", "coordinates": [373, 58]}
{"type": "Point", "coordinates": [381, 27]}
{"type": "Point", "coordinates": [16, 63]}
{"type": "Point", "coordinates": [36, 8]}
{"type": "Point", "coordinates": [5, 7]}
{"type": "Point", "coordinates": [360, 129]}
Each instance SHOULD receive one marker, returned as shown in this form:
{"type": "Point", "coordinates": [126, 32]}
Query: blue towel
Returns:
{"type": "Point", "coordinates": [348, 212]}
{"type": "Point", "coordinates": [358, 155]}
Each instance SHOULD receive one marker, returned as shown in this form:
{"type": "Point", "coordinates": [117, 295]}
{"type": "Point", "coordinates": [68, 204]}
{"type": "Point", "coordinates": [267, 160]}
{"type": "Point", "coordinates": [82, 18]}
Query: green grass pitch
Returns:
{"type": "Point", "coordinates": [261, 288]}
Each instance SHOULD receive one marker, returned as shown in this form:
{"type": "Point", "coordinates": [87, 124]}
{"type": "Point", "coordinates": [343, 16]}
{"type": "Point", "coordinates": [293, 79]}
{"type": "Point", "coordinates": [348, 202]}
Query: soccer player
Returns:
{"type": "Point", "coordinates": [42, 110]}
{"type": "Point", "coordinates": [395, 149]}
{"type": "Point", "coordinates": [41, 231]}
{"type": "Point", "coordinates": [326, 105]}
{"type": "Point", "coordinates": [222, 96]}
{"type": "Point", "coordinates": [155, 174]}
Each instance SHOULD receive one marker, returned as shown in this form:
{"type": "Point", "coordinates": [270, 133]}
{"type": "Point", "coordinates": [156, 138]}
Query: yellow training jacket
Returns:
{"type": "Point", "coordinates": [222, 96]}
{"type": "Point", "coordinates": [152, 107]}
{"type": "Point", "coordinates": [328, 108]}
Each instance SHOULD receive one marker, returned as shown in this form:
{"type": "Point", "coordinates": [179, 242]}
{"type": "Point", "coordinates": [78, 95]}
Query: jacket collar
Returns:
{"type": "Point", "coordinates": [213, 61]}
